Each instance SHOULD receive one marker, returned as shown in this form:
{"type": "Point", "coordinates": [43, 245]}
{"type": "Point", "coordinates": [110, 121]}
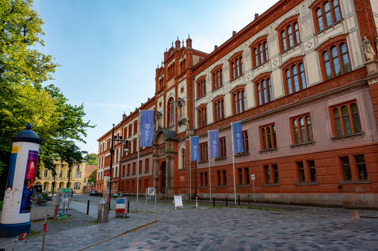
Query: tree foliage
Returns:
{"type": "Point", "coordinates": [23, 98]}
{"type": "Point", "coordinates": [91, 159]}
{"type": "Point", "coordinates": [92, 177]}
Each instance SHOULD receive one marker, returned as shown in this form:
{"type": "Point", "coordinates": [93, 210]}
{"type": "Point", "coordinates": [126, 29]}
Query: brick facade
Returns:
{"type": "Point", "coordinates": [297, 79]}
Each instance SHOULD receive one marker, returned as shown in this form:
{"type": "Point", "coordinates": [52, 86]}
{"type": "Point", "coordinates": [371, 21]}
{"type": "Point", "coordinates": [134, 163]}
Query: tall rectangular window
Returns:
{"type": "Point", "coordinates": [224, 177]}
{"type": "Point", "coordinates": [361, 167]}
{"type": "Point", "coordinates": [240, 171]}
{"type": "Point", "coordinates": [219, 178]}
{"type": "Point", "coordinates": [311, 166]}
{"type": "Point", "coordinates": [222, 147]}
{"type": "Point", "coordinates": [267, 174]}
{"type": "Point", "coordinates": [147, 165]}
{"type": "Point", "coordinates": [203, 151]}
{"type": "Point", "coordinates": [275, 170]}
{"type": "Point", "coordinates": [246, 175]}
{"type": "Point", "coordinates": [301, 171]}
{"type": "Point", "coordinates": [346, 168]}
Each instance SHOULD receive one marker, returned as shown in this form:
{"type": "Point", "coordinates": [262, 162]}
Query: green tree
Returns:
{"type": "Point", "coordinates": [91, 159]}
{"type": "Point", "coordinates": [23, 98]}
{"type": "Point", "coordinates": [92, 177]}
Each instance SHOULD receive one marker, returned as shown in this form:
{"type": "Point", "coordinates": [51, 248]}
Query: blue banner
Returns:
{"type": "Point", "coordinates": [194, 148]}
{"type": "Point", "coordinates": [147, 127]}
{"type": "Point", "coordinates": [214, 143]}
{"type": "Point", "coordinates": [237, 137]}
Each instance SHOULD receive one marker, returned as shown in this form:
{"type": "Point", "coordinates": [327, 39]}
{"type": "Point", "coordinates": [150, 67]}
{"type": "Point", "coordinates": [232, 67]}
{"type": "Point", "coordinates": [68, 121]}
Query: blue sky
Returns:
{"type": "Point", "coordinates": [109, 49]}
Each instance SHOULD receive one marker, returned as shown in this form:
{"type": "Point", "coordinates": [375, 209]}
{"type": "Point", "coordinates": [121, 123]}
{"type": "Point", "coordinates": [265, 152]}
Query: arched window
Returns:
{"type": "Point", "coordinates": [336, 60]}
{"type": "Point", "coordinates": [263, 90]}
{"type": "Point", "coordinates": [294, 77]}
{"type": "Point", "coordinates": [238, 98]}
{"type": "Point", "coordinates": [218, 109]}
{"type": "Point", "coordinates": [170, 113]}
{"type": "Point", "coordinates": [236, 65]}
{"type": "Point", "coordinates": [326, 14]}
{"type": "Point", "coordinates": [345, 119]}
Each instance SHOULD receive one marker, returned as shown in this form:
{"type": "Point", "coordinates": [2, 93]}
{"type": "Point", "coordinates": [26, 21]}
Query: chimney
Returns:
{"type": "Point", "coordinates": [233, 33]}
{"type": "Point", "coordinates": [215, 47]}
{"type": "Point", "coordinates": [256, 15]}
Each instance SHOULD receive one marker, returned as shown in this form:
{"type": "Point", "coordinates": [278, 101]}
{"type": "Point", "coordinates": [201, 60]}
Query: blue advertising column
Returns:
{"type": "Point", "coordinates": [15, 217]}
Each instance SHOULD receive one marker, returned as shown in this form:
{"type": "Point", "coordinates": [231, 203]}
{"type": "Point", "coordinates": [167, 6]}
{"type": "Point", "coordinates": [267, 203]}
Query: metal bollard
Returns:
{"type": "Point", "coordinates": [213, 201]}
{"type": "Point", "coordinates": [196, 202]}
{"type": "Point", "coordinates": [88, 207]}
{"type": "Point", "coordinates": [239, 199]}
{"type": "Point", "coordinates": [226, 202]}
{"type": "Point", "coordinates": [249, 202]}
{"type": "Point", "coordinates": [128, 206]}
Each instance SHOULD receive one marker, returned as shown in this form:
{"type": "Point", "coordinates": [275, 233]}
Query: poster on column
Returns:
{"type": "Point", "coordinates": [27, 192]}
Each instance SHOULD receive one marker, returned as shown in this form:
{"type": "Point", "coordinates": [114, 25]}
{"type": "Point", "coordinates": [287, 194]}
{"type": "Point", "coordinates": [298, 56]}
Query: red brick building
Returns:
{"type": "Point", "coordinates": [303, 80]}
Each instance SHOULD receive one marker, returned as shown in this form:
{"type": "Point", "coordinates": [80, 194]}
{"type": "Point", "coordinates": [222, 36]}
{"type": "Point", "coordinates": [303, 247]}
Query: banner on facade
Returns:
{"type": "Point", "coordinates": [194, 148]}
{"type": "Point", "coordinates": [147, 127]}
{"type": "Point", "coordinates": [214, 143]}
{"type": "Point", "coordinates": [237, 137]}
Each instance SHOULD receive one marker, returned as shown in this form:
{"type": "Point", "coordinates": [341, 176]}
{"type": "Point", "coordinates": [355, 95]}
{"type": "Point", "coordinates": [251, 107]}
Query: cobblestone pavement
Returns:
{"type": "Point", "coordinates": [263, 227]}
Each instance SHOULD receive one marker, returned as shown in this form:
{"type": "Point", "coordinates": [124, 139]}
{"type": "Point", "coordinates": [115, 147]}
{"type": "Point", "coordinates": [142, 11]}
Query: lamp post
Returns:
{"type": "Point", "coordinates": [114, 138]}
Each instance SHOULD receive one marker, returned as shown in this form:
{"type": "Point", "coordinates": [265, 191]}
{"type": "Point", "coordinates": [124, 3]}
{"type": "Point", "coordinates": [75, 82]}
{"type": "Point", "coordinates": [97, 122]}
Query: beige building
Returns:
{"type": "Point", "coordinates": [65, 177]}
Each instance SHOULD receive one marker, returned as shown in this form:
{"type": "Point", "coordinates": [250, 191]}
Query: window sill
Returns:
{"type": "Point", "coordinates": [202, 161]}
{"type": "Point", "coordinates": [342, 137]}
{"type": "Point", "coordinates": [260, 65]}
{"type": "Point", "coordinates": [291, 48]}
{"type": "Point", "coordinates": [354, 182]}
{"type": "Point", "coordinates": [268, 150]}
{"type": "Point", "coordinates": [221, 186]}
{"type": "Point", "coordinates": [248, 185]}
{"type": "Point", "coordinates": [200, 97]}
{"type": "Point", "coordinates": [234, 79]}
{"type": "Point", "coordinates": [307, 183]}
{"type": "Point", "coordinates": [216, 89]}
{"type": "Point", "coordinates": [329, 27]}
{"type": "Point", "coordinates": [146, 171]}
{"type": "Point", "coordinates": [203, 187]}
{"type": "Point", "coordinates": [302, 144]}
{"type": "Point", "coordinates": [271, 185]}
{"type": "Point", "coordinates": [241, 154]}
{"type": "Point", "coordinates": [220, 158]}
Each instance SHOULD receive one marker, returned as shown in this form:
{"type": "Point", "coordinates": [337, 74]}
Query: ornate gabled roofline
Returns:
{"type": "Point", "coordinates": [260, 23]}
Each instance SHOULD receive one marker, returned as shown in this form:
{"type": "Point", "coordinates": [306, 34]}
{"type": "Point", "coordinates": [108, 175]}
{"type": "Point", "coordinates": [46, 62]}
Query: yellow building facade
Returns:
{"type": "Point", "coordinates": [65, 177]}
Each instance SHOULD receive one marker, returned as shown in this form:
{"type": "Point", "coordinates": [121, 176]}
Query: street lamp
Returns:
{"type": "Point", "coordinates": [126, 149]}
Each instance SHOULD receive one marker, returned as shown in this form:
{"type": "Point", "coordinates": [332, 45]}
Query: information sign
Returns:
{"type": "Point", "coordinates": [178, 201]}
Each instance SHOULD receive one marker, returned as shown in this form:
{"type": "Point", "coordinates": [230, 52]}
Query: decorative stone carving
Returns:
{"type": "Point", "coordinates": [368, 49]}
{"type": "Point", "coordinates": [376, 42]}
